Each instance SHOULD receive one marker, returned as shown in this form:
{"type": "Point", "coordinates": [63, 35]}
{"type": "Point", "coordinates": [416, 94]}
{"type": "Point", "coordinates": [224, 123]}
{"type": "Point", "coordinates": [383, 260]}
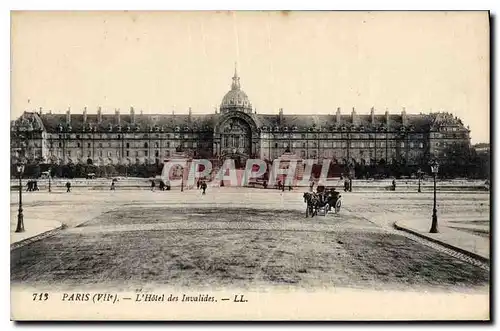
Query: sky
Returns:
{"type": "Point", "coordinates": [303, 62]}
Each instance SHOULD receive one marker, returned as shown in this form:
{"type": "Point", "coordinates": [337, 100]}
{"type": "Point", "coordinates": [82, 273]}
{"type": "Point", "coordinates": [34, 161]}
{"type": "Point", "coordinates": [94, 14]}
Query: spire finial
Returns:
{"type": "Point", "coordinates": [236, 79]}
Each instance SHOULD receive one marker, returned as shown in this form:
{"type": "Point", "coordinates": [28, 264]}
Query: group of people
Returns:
{"type": "Point", "coordinates": [32, 185]}
{"type": "Point", "coordinates": [201, 184]}
{"type": "Point", "coordinates": [162, 186]}
{"type": "Point", "coordinates": [281, 186]}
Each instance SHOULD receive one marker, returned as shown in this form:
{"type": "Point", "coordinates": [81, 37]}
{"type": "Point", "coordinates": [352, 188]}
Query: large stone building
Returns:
{"type": "Point", "coordinates": [235, 131]}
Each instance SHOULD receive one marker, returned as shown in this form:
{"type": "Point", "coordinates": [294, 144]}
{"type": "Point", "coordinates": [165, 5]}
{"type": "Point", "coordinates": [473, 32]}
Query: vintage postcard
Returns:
{"type": "Point", "coordinates": [250, 165]}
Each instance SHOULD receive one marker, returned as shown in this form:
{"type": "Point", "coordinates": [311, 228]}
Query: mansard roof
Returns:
{"type": "Point", "coordinates": [142, 121]}
{"type": "Point", "coordinates": [168, 122]}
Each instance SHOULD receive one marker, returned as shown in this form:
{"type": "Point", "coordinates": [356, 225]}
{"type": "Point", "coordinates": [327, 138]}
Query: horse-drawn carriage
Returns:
{"type": "Point", "coordinates": [322, 201]}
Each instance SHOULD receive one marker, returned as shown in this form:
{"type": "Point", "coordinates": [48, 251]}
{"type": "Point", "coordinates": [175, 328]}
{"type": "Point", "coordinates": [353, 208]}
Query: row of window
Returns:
{"type": "Point", "coordinates": [111, 154]}
{"type": "Point", "coordinates": [334, 144]}
{"type": "Point", "coordinates": [343, 144]}
{"type": "Point", "coordinates": [127, 145]}
{"type": "Point", "coordinates": [284, 135]}
{"type": "Point", "coordinates": [333, 155]}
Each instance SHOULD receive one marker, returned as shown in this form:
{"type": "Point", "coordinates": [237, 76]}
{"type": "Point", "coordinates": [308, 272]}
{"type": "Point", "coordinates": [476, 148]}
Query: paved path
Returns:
{"type": "Point", "coordinates": [462, 240]}
{"type": "Point", "coordinates": [463, 218]}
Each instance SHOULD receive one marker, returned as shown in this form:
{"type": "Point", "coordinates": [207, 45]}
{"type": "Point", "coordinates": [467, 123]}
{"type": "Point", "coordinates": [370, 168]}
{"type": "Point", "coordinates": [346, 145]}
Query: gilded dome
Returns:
{"type": "Point", "coordinates": [236, 98]}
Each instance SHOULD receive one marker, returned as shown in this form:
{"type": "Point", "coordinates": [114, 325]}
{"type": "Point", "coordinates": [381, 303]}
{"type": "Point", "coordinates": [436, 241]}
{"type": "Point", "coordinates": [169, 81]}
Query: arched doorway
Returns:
{"type": "Point", "coordinates": [236, 141]}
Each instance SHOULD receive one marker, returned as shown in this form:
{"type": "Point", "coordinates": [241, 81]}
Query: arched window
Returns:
{"type": "Point", "coordinates": [128, 145]}
{"type": "Point", "coordinates": [145, 145]}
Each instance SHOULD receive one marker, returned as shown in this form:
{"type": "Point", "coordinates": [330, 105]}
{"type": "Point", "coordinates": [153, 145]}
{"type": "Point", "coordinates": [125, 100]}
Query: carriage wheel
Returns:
{"type": "Point", "coordinates": [338, 205]}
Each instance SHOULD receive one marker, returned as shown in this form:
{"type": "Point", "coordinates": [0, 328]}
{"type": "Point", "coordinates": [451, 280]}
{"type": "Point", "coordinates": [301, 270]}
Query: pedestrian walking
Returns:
{"type": "Point", "coordinates": [153, 185]}
{"type": "Point", "coordinates": [68, 187]}
{"type": "Point", "coordinates": [112, 185]}
{"type": "Point", "coordinates": [28, 186]}
{"type": "Point", "coordinates": [394, 184]}
{"type": "Point", "coordinates": [35, 186]}
{"type": "Point", "coordinates": [346, 185]}
{"type": "Point", "coordinates": [203, 186]}
{"type": "Point", "coordinates": [198, 184]}
{"type": "Point", "coordinates": [311, 186]}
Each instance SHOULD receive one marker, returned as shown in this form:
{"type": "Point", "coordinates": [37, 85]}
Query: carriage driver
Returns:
{"type": "Point", "coordinates": [321, 192]}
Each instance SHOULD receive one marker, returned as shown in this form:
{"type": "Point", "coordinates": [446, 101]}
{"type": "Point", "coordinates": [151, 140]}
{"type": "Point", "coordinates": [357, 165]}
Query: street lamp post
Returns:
{"type": "Point", "coordinates": [351, 170]}
{"type": "Point", "coordinates": [20, 216]}
{"type": "Point", "coordinates": [434, 226]}
{"type": "Point", "coordinates": [50, 175]}
{"type": "Point", "coordinates": [182, 180]}
{"type": "Point", "coordinates": [419, 174]}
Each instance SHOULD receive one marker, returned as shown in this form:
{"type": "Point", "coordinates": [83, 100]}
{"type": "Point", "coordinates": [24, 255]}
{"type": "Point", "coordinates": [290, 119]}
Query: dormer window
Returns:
{"type": "Point", "coordinates": [157, 129]}
{"type": "Point", "coordinates": [294, 128]}
{"type": "Point", "coordinates": [186, 128]}
{"type": "Point", "coordinates": [110, 128]}
{"type": "Point", "coordinates": [177, 129]}
{"type": "Point", "coordinates": [128, 128]}
{"type": "Point", "coordinates": [119, 128]}
{"type": "Point", "coordinates": [285, 128]}
{"type": "Point", "coordinates": [276, 128]}
{"type": "Point", "coordinates": [69, 127]}
{"type": "Point", "coordinates": [264, 128]}
{"type": "Point", "coordinates": [138, 128]}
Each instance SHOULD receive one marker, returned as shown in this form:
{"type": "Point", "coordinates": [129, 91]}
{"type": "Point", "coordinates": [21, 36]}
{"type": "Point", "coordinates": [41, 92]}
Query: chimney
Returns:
{"type": "Point", "coordinates": [189, 114]}
{"type": "Point", "coordinates": [40, 110]}
{"type": "Point", "coordinates": [354, 118]}
{"type": "Point", "coordinates": [117, 116]}
{"type": "Point", "coordinates": [132, 115]}
{"type": "Point", "coordinates": [99, 115]}
{"type": "Point", "coordinates": [85, 115]}
{"type": "Point", "coordinates": [404, 119]}
{"type": "Point", "coordinates": [68, 116]}
{"type": "Point", "coordinates": [281, 115]}
{"type": "Point", "coordinates": [372, 115]}
{"type": "Point", "coordinates": [337, 119]}
{"type": "Point", "coordinates": [387, 118]}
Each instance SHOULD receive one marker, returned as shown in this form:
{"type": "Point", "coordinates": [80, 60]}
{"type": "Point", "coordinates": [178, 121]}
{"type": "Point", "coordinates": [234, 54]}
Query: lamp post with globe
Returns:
{"type": "Point", "coordinates": [20, 216]}
{"type": "Point", "coordinates": [434, 227]}
{"type": "Point", "coordinates": [419, 175]}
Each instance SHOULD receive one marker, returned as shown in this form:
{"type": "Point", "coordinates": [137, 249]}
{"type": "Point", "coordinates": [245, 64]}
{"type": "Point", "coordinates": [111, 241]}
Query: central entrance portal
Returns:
{"type": "Point", "coordinates": [236, 141]}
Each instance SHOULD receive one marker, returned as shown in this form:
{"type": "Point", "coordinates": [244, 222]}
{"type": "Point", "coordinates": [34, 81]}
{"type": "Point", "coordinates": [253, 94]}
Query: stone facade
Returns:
{"type": "Point", "coordinates": [235, 131]}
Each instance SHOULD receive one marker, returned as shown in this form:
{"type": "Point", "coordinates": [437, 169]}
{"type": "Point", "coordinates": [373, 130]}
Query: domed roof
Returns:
{"type": "Point", "coordinates": [236, 98]}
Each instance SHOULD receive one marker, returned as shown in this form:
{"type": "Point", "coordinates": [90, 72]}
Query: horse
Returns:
{"type": "Point", "coordinates": [312, 203]}
{"type": "Point", "coordinates": [316, 201]}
